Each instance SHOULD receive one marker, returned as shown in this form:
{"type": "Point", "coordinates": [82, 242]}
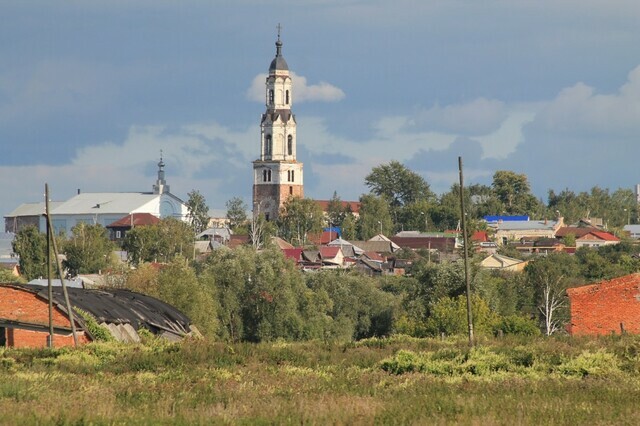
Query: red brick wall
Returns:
{"type": "Point", "coordinates": [24, 306]}
{"type": "Point", "coordinates": [601, 308]}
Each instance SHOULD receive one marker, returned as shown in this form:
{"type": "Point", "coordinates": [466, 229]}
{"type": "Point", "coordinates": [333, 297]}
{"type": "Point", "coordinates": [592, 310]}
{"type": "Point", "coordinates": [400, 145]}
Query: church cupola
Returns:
{"type": "Point", "coordinates": [160, 186]}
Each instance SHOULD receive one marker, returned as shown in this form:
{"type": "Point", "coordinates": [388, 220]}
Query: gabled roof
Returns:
{"type": "Point", "coordinates": [577, 231]}
{"type": "Point", "coordinates": [33, 209]}
{"type": "Point", "coordinates": [104, 203]}
{"type": "Point", "coordinates": [606, 236]}
{"type": "Point", "coordinates": [324, 205]}
{"type": "Point", "coordinates": [135, 219]}
{"type": "Point", "coordinates": [281, 244]}
{"type": "Point", "coordinates": [377, 246]}
{"type": "Point", "coordinates": [498, 261]}
{"type": "Point", "coordinates": [526, 225]}
{"type": "Point", "coordinates": [339, 242]}
{"type": "Point", "coordinates": [328, 252]}
{"type": "Point", "coordinates": [373, 256]}
{"type": "Point", "coordinates": [293, 253]}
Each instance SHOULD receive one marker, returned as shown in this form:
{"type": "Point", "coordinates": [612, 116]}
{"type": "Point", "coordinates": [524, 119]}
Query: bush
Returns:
{"type": "Point", "coordinates": [517, 325]}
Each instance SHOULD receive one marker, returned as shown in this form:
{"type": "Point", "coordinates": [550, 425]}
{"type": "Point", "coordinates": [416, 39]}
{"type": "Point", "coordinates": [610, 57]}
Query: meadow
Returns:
{"type": "Point", "coordinates": [397, 380]}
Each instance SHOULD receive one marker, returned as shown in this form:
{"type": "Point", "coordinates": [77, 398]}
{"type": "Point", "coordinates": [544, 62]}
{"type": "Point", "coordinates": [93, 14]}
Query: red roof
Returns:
{"type": "Point", "coordinates": [480, 236]}
{"type": "Point", "coordinates": [328, 252]}
{"type": "Point", "coordinates": [135, 219]}
{"type": "Point", "coordinates": [294, 253]}
{"type": "Point", "coordinates": [574, 230]}
{"type": "Point", "coordinates": [605, 236]}
{"type": "Point", "coordinates": [325, 238]}
{"type": "Point", "coordinates": [324, 205]}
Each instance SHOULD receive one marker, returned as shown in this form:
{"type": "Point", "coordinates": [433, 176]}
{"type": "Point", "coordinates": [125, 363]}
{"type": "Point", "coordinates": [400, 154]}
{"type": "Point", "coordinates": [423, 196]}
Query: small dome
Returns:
{"type": "Point", "coordinates": [278, 62]}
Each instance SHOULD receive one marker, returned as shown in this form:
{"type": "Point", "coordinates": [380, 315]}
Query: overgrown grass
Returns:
{"type": "Point", "coordinates": [399, 380]}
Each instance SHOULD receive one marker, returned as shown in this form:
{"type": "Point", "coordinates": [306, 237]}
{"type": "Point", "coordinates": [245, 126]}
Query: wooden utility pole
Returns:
{"type": "Point", "coordinates": [51, 238]}
{"type": "Point", "coordinates": [49, 283]}
{"type": "Point", "coordinates": [465, 251]}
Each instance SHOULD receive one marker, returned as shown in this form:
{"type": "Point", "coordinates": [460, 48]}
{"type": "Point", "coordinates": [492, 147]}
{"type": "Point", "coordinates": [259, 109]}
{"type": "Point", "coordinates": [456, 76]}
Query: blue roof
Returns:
{"type": "Point", "coordinates": [506, 218]}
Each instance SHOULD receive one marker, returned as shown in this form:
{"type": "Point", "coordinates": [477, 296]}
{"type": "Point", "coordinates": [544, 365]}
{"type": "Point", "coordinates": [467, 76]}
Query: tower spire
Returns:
{"type": "Point", "coordinates": [279, 42]}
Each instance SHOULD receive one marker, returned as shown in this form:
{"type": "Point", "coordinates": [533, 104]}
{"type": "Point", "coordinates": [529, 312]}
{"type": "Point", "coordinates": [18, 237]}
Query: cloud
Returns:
{"type": "Point", "coordinates": [302, 92]}
{"type": "Point", "coordinates": [477, 117]}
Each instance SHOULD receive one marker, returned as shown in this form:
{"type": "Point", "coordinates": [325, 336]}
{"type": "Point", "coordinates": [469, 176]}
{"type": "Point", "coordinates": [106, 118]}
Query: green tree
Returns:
{"type": "Point", "coordinates": [349, 227]}
{"type": "Point", "coordinates": [374, 217]}
{"type": "Point", "coordinates": [514, 191]}
{"type": "Point", "coordinates": [299, 217]}
{"type": "Point", "coordinates": [88, 250]}
{"type": "Point", "coordinates": [550, 276]}
{"type": "Point", "coordinates": [449, 316]}
{"type": "Point", "coordinates": [179, 286]}
{"type": "Point", "coordinates": [398, 186]}
{"type": "Point", "coordinates": [336, 213]}
{"type": "Point", "coordinates": [198, 211]}
{"type": "Point", "coordinates": [237, 215]}
{"type": "Point", "coordinates": [31, 247]}
{"type": "Point", "coordinates": [160, 242]}
{"type": "Point", "coordinates": [7, 276]}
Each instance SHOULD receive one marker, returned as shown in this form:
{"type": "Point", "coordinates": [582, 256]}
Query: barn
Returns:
{"type": "Point", "coordinates": [24, 315]}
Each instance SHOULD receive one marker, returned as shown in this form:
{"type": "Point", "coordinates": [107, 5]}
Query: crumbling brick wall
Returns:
{"type": "Point", "coordinates": [607, 307]}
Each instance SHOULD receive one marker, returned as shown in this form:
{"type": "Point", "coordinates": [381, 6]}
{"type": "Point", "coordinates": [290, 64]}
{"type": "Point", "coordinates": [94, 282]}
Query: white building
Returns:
{"type": "Point", "coordinates": [104, 208]}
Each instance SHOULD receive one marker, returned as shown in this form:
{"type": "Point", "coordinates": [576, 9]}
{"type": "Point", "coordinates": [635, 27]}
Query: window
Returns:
{"type": "Point", "coordinates": [271, 97]}
{"type": "Point", "coordinates": [266, 175]}
{"type": "Point", "coordinates": [291, 190]}
{"type": "Point", "coordinates": [3, 337]}
{"type": "Point", "coordinates": [118, 234]}
{"type": "Point", "coordinates": [287, 97]}
{"type": "Point", "coordinates": [290, 145]}
{"type": "Point", "coordinates": [292, 176]}
{"type": "Point", "coordinates": [268, 145]}
{"type": "Point", "coordinates": [266, 217]}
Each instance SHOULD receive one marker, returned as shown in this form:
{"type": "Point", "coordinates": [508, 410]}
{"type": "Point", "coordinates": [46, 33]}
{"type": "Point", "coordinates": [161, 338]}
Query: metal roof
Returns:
{"type": "Point", "coordinates": [104, 203]}
{"type": "Point", "coordinates": [117, 306]}
{"type": "Point", "coordinates": [33, 209]}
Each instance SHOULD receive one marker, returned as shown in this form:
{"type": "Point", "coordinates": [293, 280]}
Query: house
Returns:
{"type": "Point", "coordinates": [118, 229]}
{"type": "Point", "coordinates": [597, 239]}
{"type": "Point", "coordinates": [503, 263]}
{"type": "Point", "coordinates": [607, 307]}
{"type": "Point", "coordinates": [331, 256]}
{"type": "Point", "coordinates": [221, 235]}
{"type": "Point", "coordinates": [508, 231]}
{"type": "Point", "coordinates": [24, 316]}
{"type": "Point", "coordinates": [633, 231]}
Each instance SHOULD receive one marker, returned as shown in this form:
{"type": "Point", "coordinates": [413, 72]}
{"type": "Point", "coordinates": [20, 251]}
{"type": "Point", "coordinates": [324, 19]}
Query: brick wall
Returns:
{"type": "Point", "coordinates": [601, 308]}
{"type": "Point", "coordinates": [24, 306]}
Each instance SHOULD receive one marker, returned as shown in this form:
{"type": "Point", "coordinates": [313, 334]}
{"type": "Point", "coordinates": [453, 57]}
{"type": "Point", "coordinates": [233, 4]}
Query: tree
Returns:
{"type": "Point", "coordinates": [550, 276]}
{"type": "Point", "coordinates": [198, 211]}
{"type": "Point", "coordinates": [31, 247]}
{"type": "Point", "coordinates": [6, 276]}
{"type": "Point", "coordinates": [398, 186]}
{"type": "Point", "coordinates": [88, 250]}
{"type": "Point", "coordinates": [236, 213]}
{"type": "Point", "coordinates": [336, 213]}
{"type": "Point", "coordinates": [374, 217]}
{"type": "Point", "coordinates": [160, 242]}
{"type": "Point", "coordinates": [513, 190]}
{"type": "Point", "coordinates": [299, 217]}
{"type": "Point", "coordinates": [349, 227]}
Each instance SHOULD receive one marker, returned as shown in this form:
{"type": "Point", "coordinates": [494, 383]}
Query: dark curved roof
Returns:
{"type": "Point", "coordinates": [118, 306]}
{"type": "Point", "coordinates": [278, 62]}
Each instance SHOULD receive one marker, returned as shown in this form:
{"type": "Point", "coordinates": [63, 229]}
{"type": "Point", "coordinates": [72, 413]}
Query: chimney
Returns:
{"type": "Point", "coordinates": [78, 191]}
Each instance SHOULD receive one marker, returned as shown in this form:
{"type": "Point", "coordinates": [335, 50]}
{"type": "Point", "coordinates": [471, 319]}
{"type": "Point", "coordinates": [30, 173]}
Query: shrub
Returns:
{"type": "Point", "coordinates": [518, 325]}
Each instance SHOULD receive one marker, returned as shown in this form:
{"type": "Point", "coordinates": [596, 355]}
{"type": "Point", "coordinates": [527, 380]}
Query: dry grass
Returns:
{"type": "Point", "coordinates": [540, 381]}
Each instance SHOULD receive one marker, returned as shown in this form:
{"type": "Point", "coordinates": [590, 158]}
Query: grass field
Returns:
{"type": "Point", "coordinates": [383, 381]}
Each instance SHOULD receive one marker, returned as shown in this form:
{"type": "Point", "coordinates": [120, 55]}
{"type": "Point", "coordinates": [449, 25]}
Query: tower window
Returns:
{"type": "Point", "coordinates": [292, 176]}
{"type": "Point", "coordinates": [291, 190]}
{"type": "Point", "coordinates": [271, 97]}
{"type": "Point", "coordinates": [266, 175]}
{"type": "Point", "coordinates": [287, 97]}
{"type": "Point", "coordinates": [268, 145]}
{"type": "Point", "coordinates": [290, 145]}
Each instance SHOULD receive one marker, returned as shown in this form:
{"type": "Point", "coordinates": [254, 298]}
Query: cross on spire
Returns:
{"type": "Point", "coordinates": [279, 27]}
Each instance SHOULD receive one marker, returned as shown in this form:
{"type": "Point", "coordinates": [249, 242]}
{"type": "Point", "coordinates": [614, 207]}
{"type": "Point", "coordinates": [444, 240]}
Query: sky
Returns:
{"type": "Point", "coordinates": [92, 92]}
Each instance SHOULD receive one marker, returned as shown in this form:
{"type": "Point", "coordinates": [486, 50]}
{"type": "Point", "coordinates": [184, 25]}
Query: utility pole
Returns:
{"type": "Point", "coordinates": [49, 283]}
{"type": "Point", "coordinates": [466, 254]}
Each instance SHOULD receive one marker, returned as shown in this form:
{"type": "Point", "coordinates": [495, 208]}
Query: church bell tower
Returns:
{"type": "Point", "coordinates": [276, 174]}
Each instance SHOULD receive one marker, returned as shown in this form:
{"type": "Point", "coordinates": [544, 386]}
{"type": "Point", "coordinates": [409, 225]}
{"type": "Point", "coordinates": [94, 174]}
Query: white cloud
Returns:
{"type": "Point", "coordinates": [302, 91]}
{"type": "Point", "coordinates": [477, 117]}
